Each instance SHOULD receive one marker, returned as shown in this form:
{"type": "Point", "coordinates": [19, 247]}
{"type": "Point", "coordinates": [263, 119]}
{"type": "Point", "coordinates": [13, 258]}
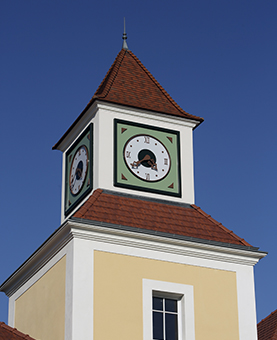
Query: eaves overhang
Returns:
{"type": "Point", "coordinates": [96, 100]}
{"type": "Point", "coordinates": [48, 249]}
{"type": "Point", "coordinates": [146, 233]}
{"type": "Point", "coordinates": [131, 237]}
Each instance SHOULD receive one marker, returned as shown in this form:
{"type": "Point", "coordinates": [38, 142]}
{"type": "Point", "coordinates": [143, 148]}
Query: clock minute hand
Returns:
{"type": "Point", "coordinates": [137, 163]}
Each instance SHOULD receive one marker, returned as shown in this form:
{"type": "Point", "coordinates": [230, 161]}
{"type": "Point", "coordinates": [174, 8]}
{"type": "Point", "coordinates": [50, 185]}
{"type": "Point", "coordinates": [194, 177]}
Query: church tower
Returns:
{"type": "Point", "coordinates": [134, 258]}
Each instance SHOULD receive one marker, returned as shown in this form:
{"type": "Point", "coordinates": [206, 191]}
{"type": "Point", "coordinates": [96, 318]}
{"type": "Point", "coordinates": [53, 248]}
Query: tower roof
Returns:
{"type": "Point", "coordinates": [158, 216]}
{"type": "Point", "coordinates": [129, 83]}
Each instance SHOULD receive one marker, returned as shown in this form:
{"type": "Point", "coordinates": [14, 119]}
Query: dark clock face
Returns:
{"type": "Point", "coordinates": [147, 158]}
{"type": "Point", "coordinates": [78, 175]}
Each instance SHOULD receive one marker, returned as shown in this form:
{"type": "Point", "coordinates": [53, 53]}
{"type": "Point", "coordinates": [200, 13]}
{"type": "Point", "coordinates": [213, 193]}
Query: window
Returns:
{"type": "Point", "coordinates": [164, 318]}
{"type": "Point", "coordinates": [168, 311]}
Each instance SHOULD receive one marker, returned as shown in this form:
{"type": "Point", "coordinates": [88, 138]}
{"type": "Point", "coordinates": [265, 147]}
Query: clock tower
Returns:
{"type": "Point", "coordinates": [131, 138]}
{"type": "Point", "coordinates": [134, 257]}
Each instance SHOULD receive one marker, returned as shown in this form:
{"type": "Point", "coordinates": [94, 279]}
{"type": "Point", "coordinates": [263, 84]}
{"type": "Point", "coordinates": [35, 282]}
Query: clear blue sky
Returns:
{"type": "Point", "coordinates": [216, 58]}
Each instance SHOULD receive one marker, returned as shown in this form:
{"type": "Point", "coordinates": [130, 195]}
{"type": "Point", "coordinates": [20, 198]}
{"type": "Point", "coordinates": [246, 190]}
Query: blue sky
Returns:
{"type": "Point", "coordinates": [216, 58]}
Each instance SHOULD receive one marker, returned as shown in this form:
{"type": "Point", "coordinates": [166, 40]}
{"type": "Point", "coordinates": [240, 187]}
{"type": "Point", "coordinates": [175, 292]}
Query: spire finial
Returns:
{"type": "Point", "coordinates": [124, 45]}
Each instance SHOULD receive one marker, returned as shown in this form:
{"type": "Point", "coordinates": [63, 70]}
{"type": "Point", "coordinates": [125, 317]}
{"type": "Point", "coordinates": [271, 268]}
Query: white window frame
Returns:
{"type": "Point", "coordinates": [181, 292]}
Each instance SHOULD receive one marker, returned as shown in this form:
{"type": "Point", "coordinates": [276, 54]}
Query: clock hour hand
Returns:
{"type": "Point", "coordinates": [151, 162]}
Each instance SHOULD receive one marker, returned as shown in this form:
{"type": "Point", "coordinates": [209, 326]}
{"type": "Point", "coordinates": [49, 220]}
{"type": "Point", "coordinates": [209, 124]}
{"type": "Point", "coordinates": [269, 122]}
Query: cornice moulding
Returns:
{"type": "Point", "coordinates": [147, 241]}
{"type": "Point", "coordinates": [101, 232]}
{"type": "Point", "coordinates": [142, 113]}
{"type": "Point", "coordinates": [59, 239]}
{"type": "Point", "coordinates": [76, 128]}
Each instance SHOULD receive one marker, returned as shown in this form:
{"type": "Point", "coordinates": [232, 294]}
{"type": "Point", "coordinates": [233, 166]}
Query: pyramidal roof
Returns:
{"type": "Point", "coordinates": [129, 83]}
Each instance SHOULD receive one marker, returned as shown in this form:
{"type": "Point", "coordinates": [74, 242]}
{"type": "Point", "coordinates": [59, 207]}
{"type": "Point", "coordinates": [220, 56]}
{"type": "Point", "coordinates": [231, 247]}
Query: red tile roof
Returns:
{"type": "Point", "coordinates": [267, 328]}
{"type": "Point", "coordinates": [165, 217]}
{"type": "Point", "coordinates": [129, 83]}
{"type": "Point", "coordinates": [9, 333]}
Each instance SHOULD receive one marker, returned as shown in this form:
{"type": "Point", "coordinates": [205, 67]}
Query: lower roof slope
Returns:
{"type": "Point", "coordinates": [267, 328]}
{"type": "Point", "coordinates": [159, 216]}
{"type": "Point", "coordinates": [9, 333]}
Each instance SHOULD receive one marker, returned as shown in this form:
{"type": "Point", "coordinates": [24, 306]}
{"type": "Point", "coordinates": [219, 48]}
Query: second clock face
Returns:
{"type": "Point", "coordinates": [147, 158]}
{"type": "Point", "coordinates": [79, 169]}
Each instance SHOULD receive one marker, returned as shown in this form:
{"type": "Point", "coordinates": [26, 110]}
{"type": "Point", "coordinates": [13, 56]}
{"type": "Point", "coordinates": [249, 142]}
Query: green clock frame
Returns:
{"type": "Point", "coordinates": [85, 141]}
{"type": "Point", "coordinates": [124, 132]}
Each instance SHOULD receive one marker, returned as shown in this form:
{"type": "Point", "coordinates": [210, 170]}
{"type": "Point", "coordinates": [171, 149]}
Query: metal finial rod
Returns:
{"type": "Point", "coordinates": [124, 45]}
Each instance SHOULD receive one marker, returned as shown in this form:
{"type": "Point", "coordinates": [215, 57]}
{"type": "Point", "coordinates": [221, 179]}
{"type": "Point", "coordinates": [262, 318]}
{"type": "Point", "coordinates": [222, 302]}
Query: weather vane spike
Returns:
{"type": "Point", "coordinates": [124, 45]}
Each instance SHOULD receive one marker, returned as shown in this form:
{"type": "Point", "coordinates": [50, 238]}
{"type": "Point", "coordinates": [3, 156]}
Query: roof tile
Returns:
{"type": "Point", "coordinates": [129, 83]}
{"type": "Point", "coordinates": [176, 219]}
{"type": "Point", "coordinates": [267, 328]}
{"type": "Point", "coordinates": [9, 333]}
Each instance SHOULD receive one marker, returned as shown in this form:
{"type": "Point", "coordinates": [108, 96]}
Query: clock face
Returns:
{"type": "Point", "coordinates": [147, 158]}
{"type": "Point", "coordinates": [78, 172]}
{"type": "Point", "coordinates": [79, 169]}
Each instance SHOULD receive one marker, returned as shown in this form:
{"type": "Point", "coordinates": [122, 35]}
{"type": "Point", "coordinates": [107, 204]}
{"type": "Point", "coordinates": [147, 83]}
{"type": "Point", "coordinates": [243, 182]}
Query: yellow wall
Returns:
{"type": "Point", "coordinates": [40, 311]}
{"type": "Point", "coordinates": [118, 296]}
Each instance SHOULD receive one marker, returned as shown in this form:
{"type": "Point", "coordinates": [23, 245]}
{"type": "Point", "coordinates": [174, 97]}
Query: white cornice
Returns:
{"type": "Point", "coordinates": [78, 126]}
{"type": "Point", "coordinates": [126, 238]}
{"type": "Point", "coordinates": [153, 116]}
{"type": "Point", "coordinates": [38, 259]}
{"type": "Point", "coordinates": [165, 244]}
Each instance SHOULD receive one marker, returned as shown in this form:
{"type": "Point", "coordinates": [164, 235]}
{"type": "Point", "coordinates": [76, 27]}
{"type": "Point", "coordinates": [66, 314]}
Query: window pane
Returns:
{"type": "Point", "coordinates": [157, 303]}
{"type": "Point", "coordinates": [170, 305]}
{"type": "Point", "coordinates": [158, 326]}
{"type": "Point", "coordinates": [171, 327]}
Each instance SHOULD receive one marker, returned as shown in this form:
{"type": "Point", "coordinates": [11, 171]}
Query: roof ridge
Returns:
{"type": "Point", "coordinates": [220, 225]}
{"type": "Point", "coordinates": [93, 198]}
{"type": "Point", "coordinates": [165, 93]}
{"type": "Point", "coordinates": [109, 77]}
